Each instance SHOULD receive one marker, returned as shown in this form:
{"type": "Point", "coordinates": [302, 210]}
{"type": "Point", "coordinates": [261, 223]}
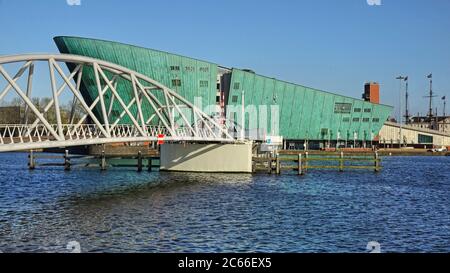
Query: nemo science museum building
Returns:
{"type": "Point", "coordinates": [307, 116]}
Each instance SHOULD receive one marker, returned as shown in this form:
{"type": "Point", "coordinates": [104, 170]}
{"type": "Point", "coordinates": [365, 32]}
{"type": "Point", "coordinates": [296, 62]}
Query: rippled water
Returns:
{"type": "Point", "coordinates": [406, 208]}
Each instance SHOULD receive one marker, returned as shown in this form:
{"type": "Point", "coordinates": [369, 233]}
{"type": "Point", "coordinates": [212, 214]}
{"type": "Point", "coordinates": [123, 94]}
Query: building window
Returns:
{"type": "Point", "coordinates": [424, 139]}
{"type": "Point", "coordinates": [376, 120]}
{"type": "Point", "coordinates": [204, 69]}
{"type": "Point", "coordinates": [324, 131]}
{"type": "Point", "coordinates": [234, 99]}
{"type": "Point", "coordinates": [189, 68]}
{"type": "Point", "coordinates": [355, 119]}
{"type": "Point", "coordinates": [236, 86]}
{"type": "Point", "coordinates": [342, 108]}
{"type": "Point", "coordinates": [367, 110]}
{"type": "Point", "coordinates": [346, 120]}
{"type": "Point", "coordinates": [174, 68]}
{"type": "Point", "coordinates": [217, 99]}
{"type": "Point", "coordinates": [357, 110]}
{"type": "Point", "coordinates": [176, 82]}
{"type": "Point", "coordinates": [366, 119]}
{"type": "Point", "coordinates": [204, 84]}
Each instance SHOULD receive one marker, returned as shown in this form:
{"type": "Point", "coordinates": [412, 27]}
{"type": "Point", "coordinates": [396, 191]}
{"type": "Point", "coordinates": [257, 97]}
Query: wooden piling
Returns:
{"type": "Point", "coordinates": [377, 162]}
{"type": "Point", "coordinates": [66, 161]}
{"type": "Point", "coordinates": [139, 161]}
{"type": "Point", "coordinates": [32, 161]}
{"type": "Point", "coordinates": [300, 168]}
{"type": "Point", "coordinates": [305, 168]}
{"type": "Point", "coordinates": [341, 162]}
{"type": "Point", "coordinates": [103, 162]}
{"type": "Point", "coordinates": [278, 169]}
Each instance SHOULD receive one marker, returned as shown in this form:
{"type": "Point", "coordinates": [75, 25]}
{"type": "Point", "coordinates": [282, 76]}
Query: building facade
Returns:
{"type": "Point", "coordinates": [305, 114]}
{"type": "Point", "coordinates": [437, 123]}
{"type": "Point", "coordinates": [394, 135]}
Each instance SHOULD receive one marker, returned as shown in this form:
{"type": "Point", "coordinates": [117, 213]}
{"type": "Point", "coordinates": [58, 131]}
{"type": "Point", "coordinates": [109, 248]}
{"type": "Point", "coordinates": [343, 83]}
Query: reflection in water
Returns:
{"type": "Point", "coordinates": [404, 208]}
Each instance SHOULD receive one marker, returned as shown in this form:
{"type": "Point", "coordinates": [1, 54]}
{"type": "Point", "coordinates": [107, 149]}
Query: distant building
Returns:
{"type": "Point", "coordinates": [441, 123]}
{"type": "Point", "coordinates": [10, 115]}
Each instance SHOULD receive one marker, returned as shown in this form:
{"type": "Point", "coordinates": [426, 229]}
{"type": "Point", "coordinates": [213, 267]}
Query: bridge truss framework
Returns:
{"type": "Point", "coordinates": [177, 119]}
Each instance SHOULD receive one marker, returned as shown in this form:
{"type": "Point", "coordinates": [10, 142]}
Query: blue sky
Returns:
{"type": "Point", "coordinates": [327, 44]}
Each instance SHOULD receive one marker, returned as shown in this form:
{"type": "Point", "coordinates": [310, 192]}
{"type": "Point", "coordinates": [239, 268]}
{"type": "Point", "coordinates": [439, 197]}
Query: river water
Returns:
{"type": "Point", "coordinates": [405, 208]}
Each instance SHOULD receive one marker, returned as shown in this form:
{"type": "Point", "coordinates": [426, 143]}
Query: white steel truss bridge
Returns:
{"type": "Point", "coordinates": [166, 113]}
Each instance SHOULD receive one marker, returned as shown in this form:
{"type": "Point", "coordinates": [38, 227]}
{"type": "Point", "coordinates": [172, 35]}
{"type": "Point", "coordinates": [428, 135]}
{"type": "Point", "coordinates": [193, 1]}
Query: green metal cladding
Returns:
{"type": "Point", "coordinates": [305, 113]}
{"type": "Point", "coordinates": [160, 66]}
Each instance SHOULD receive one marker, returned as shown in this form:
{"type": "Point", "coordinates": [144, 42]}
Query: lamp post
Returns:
{"type": "Point", "coordinates": [407, 115]}
{"type": "Point", "coordinates": [430, 113]}
{"type": "Point", "coordinates": [444, 98]}
{"type": "Point", "coordinates": [400, 78]}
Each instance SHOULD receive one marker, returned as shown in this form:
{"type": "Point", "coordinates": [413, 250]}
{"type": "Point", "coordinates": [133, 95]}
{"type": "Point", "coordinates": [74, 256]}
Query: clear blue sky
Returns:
{"type": "Point", "coordinates": [327, 44]}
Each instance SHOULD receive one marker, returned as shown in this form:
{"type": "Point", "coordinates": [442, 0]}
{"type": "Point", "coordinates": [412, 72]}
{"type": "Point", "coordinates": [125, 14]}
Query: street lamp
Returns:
{"type": "Point", "coordinates": [400, 78]}
{"type": "Point", "coordinates": [407, 116]}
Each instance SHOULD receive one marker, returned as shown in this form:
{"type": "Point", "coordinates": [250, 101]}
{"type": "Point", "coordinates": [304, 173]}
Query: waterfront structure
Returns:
{"type": "Point", "coordinates": [437, 123]}
{"type": "Point", "coordinates": [394, 135]}
{"type": "Point", "coordinates": [307, 115]}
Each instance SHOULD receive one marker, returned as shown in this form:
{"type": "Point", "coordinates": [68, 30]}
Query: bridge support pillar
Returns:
{"type": "Point", "coordinates": [219, 158]}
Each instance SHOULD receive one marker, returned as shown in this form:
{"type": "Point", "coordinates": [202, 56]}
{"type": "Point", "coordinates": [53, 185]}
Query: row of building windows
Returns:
{"type": "Point", "coordinates": [342, 108]}
{"type": "Point", "coordinates": [346, 108]}
{"type": "Point", "coordinates": [202, 83]}
{"type": "Point", "coordinates": [347, 119]}
{"type": "Point", "coordinates": [188, 68]}
{"type": "Point", "coordinates": [176, 82]}
{"type": "Point", "coordinates": [366, 110]}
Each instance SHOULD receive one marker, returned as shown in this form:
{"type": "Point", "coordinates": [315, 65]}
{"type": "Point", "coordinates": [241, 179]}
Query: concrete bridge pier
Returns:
{"type": "Point", "coordinates": [217, 158]}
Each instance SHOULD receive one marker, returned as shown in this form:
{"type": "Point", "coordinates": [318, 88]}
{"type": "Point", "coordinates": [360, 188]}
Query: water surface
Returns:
{"type": "Point", "coordinates": [406, 208]}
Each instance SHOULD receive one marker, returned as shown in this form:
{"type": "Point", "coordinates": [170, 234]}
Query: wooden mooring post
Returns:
{"type": "Point", "coordinates": [103, 161]}
{"type": "Point", "coordinates": [31, 161]}
{"type": "Point", "coordinates": [300, 165]}
{"type": "Point", "coordinates": [139, 161]}
{"type": "Point", "coordinates": [278, 170]}
{"type": "Point", "coordinates": [66, 161]}
{"type": "Point", "coordinates": [377, 162]}
{"type": "Point", "coordinates": [305, 168]}
{"type": "Point", "coordinates": [341, 162]}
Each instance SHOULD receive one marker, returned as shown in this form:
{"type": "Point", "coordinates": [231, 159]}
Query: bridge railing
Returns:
{"type": "Point", "coordinates": [22, 133]}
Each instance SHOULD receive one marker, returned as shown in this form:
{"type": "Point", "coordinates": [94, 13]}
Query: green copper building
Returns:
{"type": "Point", "coordinates": [305, 113]}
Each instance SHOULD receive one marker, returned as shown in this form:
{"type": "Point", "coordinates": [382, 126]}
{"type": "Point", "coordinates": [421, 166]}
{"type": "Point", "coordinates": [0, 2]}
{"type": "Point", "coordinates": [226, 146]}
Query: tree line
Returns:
{"type": "Point", "coordinates": [67, 110]}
